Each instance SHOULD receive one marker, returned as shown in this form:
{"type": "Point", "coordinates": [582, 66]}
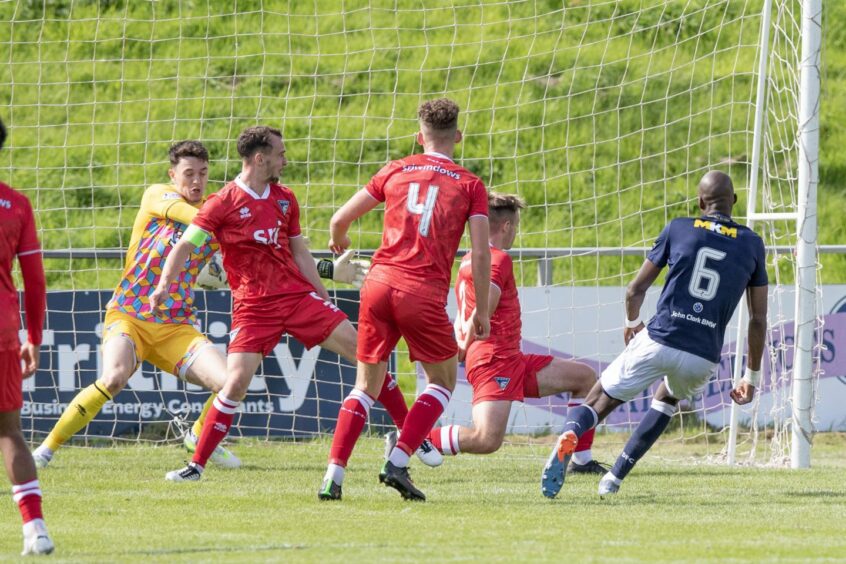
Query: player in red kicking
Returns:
{"type": "Point", "coordinates": [18, 239]}
{"type": "Point", "coordinates": [496, 368]}
{"type": "Point", "coordinates": [275, 284]}
{"type": "Point", "coordinates": [428, 200]}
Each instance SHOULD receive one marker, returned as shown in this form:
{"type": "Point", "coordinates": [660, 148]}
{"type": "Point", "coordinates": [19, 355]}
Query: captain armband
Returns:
{"type": "Point", "coordinates": [197, 236]}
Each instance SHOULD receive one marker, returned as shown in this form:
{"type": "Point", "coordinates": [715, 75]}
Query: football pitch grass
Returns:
{"type": "Point", "coordinates": [112, 504]}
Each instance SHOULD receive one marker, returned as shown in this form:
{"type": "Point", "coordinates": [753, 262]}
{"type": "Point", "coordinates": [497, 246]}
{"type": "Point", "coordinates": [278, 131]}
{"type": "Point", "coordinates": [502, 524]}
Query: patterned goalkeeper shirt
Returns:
{"type": "Point", "coordinates": [160, 222]}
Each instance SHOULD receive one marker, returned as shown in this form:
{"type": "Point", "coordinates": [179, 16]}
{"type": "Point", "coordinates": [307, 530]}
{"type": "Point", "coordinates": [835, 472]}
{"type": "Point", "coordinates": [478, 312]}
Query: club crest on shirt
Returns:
{"type": "Point", "coordinates": [284, 205]}
{"type": "Point", "coordinates": [245, 212]}
{"type": "Point", "coordinates": [502, 381]}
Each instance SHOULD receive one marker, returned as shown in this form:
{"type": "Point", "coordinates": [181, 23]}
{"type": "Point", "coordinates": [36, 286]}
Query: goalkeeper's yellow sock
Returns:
{"type": "Point", "coordinates": [81, 410]}
{"type": "Point", "coordinates": [197, 429]}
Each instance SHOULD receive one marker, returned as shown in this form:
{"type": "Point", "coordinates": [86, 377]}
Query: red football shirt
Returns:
{"type": "Point", "coordinates": [505, 321]}
{"type": "Point", "coordinates": [428, 200]}
{"type": "Point", "coordinates": [17, 238]}
{"type": "Point", "coordinates": [253, 231]}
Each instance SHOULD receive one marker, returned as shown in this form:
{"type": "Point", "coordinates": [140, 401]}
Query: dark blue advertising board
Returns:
{"type": "Point", "coordinates": [296, 393]}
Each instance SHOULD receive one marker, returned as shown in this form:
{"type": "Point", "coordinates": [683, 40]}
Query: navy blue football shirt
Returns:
{"type": "Point", "coordinates": [712, 261]}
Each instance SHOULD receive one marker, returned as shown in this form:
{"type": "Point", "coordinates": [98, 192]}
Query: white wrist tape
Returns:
{"type": "Point", "coordinates": [631, 324]}
{"type": "Point", "coordinates": [752, 377]}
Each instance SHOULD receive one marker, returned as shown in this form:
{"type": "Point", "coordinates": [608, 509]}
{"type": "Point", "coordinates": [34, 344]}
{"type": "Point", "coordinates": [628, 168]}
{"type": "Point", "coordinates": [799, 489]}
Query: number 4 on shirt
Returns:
{"type": "Point", "coordinates": [424, 209]}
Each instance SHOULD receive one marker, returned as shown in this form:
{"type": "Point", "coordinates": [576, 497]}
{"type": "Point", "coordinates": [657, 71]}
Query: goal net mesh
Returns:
{"type": "Point", "coordinates": [603, 115]}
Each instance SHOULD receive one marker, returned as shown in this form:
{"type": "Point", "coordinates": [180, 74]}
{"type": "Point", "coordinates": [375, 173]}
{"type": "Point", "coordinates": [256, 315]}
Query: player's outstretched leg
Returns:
{"type": "Point", "coordinates": [79, 413]}
{"type": "Point", "coordinates": [579, 420]}
{"type": "Point", "coordinates": [642, 439]}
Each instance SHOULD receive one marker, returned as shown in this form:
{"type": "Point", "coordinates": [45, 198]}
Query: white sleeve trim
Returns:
{"type": "Point", "coordinates": [495, 285]}
{"type": "Point", "coordinates": [23, 254]}
{"type": "Point", "coordinates": [478, 215]}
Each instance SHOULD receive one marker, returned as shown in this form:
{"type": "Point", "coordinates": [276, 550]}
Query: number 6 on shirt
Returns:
{"type": "Point", "coordinates": [425, 209]}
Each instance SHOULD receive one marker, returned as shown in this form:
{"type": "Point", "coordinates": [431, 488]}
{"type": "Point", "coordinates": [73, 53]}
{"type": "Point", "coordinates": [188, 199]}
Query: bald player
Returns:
{"type": "Point", "coordinates": [712, 262]}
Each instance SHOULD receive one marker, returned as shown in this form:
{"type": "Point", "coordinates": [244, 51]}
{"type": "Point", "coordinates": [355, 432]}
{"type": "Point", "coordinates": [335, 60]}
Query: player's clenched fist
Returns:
{"type": "Point", "coordinates": [481, 325]}
{"type": "Point", "coordinates": [339, 244]}
{"type": "Point", "coordinates": [743, 393]}
{"type": "Point", "coordinates": [157, 298]}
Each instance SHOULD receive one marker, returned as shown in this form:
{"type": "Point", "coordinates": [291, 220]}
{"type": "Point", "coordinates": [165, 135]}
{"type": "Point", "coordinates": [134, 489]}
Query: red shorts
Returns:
{"type": "Point", "coordinates": [386, 314]}
{"type": "Point", "coordinates": [11, 396]}
{"type": "Point", "coordinates": [306, 317]}
{"type": "Point", "coordinates": [507, 379]}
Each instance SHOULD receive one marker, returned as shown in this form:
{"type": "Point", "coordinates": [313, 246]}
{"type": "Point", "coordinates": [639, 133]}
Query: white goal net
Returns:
{"type": "Point", "coordinates": [602, 114]}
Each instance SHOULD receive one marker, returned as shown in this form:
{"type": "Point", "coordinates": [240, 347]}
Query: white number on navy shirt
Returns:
{"type": "Point", "coordinates": [701, 273]}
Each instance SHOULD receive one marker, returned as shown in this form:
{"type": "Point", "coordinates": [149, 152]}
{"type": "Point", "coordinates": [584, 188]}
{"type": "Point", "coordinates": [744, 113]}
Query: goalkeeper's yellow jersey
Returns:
{"type": "Point", "coordinates": [160, 222]}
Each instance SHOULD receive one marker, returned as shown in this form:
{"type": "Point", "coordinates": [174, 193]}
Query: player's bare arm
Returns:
{"type": "Point", "coordinates": [756, 301]}
{"type": "Point", "coordinates": [481, 265]}
{"type": "Point", "coordinates": [305, 263]}
{"type": "Point", "coordinates": [635, 294]}
{"type": "Point", "coordinates": [361, 203]}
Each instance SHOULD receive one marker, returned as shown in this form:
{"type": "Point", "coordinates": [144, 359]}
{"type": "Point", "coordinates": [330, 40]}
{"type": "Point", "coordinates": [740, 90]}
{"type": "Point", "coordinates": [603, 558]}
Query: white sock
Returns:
{"type": "Point", "coordinates": [398, 458]}
{"type": "Point", "coordinates": [44, 452]}
{"type": "Point", "coordinates": [582, 457]}
{"type": "Point", "coordinates": [335, 473]}
{"type": "Point", "coordinates": [449, 440]}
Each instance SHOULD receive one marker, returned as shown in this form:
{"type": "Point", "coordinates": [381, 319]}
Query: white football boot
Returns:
{"type": "Point", "coordinates": [427, 453]}
{"type": "Point", "coordinates": [42, 456]}
{"type": "Point", "coordinates": [609, 484]}
{"type": "Point", "coordinates": [36, 538]}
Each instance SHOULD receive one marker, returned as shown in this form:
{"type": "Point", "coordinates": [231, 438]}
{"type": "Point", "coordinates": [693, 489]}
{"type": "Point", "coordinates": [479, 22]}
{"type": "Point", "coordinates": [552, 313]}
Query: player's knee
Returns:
{"type": "Point", "coordinates": [115, 378]}
{"type": "Point", "coordinates": [487, 442]}
{"type": "Point", "coordinates": [586, 379]}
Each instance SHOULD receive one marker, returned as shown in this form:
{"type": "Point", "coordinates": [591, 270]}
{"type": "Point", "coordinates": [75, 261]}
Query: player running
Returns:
{"type": "Point", "coordinates": [276, 287]}
{"type": "Point", "coordinates": [133, 331]}
{"type": "Point", "coordinates": [496, 368]}
{"type": "Point", "coordinates": [713, 261]}
{"type": "Point", "coordinates": [428, 200]}
{"type": "Point", "coordinates": [18, 239]}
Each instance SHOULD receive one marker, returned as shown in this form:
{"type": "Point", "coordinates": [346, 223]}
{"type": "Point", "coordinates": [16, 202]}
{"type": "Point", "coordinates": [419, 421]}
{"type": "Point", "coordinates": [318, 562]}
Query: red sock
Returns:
{"type": "Point", "coordinates": [393, 401]}
{"type": "Point", "coordinates": [215, 428]}
{"type": "Point", "coordinates": [28, 497]}
{"type": "Point", "coordinates": [585, 441]}
{"type": "Point", "coordinates": [445, 439]}
{"type": "Point", "coordinates": [423, 416]}
{"type": "Point", "coordinates": [351, 420]}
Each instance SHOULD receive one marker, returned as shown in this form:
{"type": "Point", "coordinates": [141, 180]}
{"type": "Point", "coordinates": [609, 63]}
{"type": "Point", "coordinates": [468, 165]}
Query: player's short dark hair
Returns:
{"type": "Point", "coordinates": [439, 115]}
{"type": "Point", "coordinates": [256, 138]}
{"type": "Point", "coordinates": [185, 149]}
{"type": "Point", "coordinates": [503, 206]}
{"type": "Point", "coordinates": [2, 133]}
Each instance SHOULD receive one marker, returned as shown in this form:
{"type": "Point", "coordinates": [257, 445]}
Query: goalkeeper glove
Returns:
{"type": "Point", "coordinates": [344, 269]}
{"type": "Point", "coordinates": [212, 276]}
